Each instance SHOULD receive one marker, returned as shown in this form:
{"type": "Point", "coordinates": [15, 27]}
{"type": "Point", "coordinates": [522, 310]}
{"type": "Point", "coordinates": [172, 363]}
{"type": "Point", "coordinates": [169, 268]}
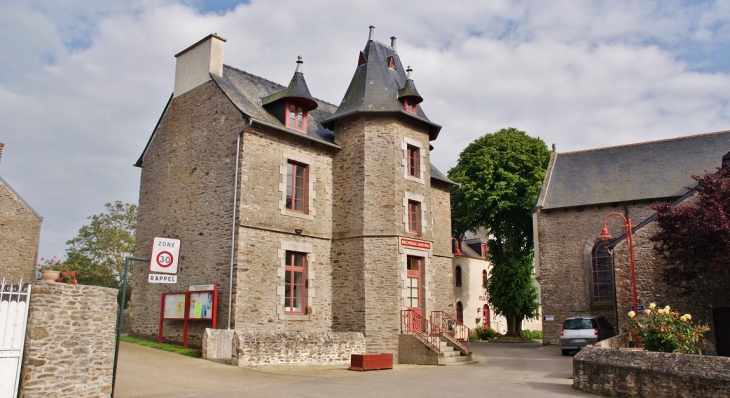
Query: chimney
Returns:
{"type": "Point", "coordinates": [1, 150]}
{"type": "Point", "coordinates": [196, 63]}
{"type": "Point", "coordinates": [392, 44]}
{"type": "Point", "coordinates": [372, 33]}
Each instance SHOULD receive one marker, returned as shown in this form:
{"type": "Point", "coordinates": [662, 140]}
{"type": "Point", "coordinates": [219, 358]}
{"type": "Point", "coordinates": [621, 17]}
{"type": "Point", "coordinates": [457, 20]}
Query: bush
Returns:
{"type": "Point", "coordinates": [473, 337]}
{"type": "Point", "coordinates": [532, 334]}
{"type": "Point", "coordinates": [484, 333]}
{"type": "Point", "coordinates": [664, 330]}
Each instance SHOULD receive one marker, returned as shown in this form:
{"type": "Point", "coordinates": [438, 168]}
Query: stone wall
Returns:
{"type": "Point", "coordinates": [70, 341]}
{"type": "Point", "coordinates": [186, 192]}
{"type": "Point", "coordinates": [650, 374]}
{"type": "Point", "coordinates": [413, 351]}
{"type": "Point", "coordinates": [318, 348]}
{"type": "Point", "coordinates": [20, 230]}
{"type": "Point", "coordinates": [566, 238]}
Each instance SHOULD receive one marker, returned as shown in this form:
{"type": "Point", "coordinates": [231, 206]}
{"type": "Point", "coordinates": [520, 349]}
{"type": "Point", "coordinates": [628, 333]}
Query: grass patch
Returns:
{"type": "Point", "coordinates": [189, 352]}
{"type": "Point", "coordinates": [510, 339]}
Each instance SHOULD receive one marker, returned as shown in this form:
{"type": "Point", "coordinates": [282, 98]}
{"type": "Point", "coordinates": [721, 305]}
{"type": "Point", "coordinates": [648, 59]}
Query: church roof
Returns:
{"type": "Point", "coordinates": [642, 171]}
{"type": "Point", "coordinates": [375, 86]}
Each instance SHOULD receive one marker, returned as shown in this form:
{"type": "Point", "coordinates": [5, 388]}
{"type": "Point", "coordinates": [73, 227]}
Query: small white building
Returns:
{"type": "Point", "coordinates": [471, 273]}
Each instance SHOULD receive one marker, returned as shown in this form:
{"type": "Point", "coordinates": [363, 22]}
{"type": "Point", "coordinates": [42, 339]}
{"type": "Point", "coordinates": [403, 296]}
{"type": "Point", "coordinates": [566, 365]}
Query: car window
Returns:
{"type": "Point", "coordinates": [579, 323]}
{"type": "Point", "coordinates": [604, 323]}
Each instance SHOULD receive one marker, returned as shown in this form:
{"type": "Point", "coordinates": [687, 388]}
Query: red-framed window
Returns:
{"type": "Point", "coordinates": [414, 216]}
{"type": "Point", "coordinates": [457, 276]}
{"type": "Point", "coordinates": [296, 186]}
{"type": "Point", "coordinates": [485, 249]}
{"type": "Point", "coordinates": [295, 286]}
{"type": "Point", "coordinates": [484, 278]}
{"type": "Point", "coordinates": [296, 117]}
{"type": "Point", "coordinates": [414, 161]}
{"type": "Point", "coordinates": [391, 62]}
{"type": "Point", "coordinates": [411, 106]}
{"type": "Point", "coordinates": [414, 267]}
{"type": "Point", "coordinates": [460, 312]}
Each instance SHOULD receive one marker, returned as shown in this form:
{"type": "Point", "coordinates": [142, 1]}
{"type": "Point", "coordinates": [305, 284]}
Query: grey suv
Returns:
{"type": "Point", "coordinates": [579, 331]}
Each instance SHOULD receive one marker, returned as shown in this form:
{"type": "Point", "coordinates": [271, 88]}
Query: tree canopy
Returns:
{"type": "Point", "coordinates": [500, 176]}
{"type": "Point", "coordinates": [694, 236]}
{"type": "Point", "coordinates": [97, 252]}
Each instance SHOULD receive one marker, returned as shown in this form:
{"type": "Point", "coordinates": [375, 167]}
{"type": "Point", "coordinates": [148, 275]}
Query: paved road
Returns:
{"type": "Point", "coordinates": [503, 370]}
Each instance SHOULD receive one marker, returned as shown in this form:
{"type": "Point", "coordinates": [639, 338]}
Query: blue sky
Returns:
{"type": "Point", "coordinates": [83, 82]}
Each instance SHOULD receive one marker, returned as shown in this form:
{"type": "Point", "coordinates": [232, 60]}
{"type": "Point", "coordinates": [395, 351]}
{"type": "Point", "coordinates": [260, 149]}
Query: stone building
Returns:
{"type": "Point", "coordinates": [312, 219]}
{"type": "Point", "coordinates": [581, 274]}
{"type": "Point", "coordinates": [20, 230]}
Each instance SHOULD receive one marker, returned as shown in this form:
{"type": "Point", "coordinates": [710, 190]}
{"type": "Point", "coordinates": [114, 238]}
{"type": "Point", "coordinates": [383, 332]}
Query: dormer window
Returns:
{"type": "Point", "coordinates": [296, 117]}
{"type": "Point", "coordinates": [391, 62]}
{"type": "Point", "coordinates": [410, 105]}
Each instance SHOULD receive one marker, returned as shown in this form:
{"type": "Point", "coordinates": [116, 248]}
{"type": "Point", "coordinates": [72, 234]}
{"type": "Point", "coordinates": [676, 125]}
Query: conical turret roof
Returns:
{"type": "Point", "coordinates": [297, 91]}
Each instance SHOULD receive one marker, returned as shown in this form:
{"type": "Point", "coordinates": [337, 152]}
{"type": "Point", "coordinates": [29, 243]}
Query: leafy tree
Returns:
{"type": "Point", "coordinates": [97, 252]}
{"type": "Point", "coordinates": [694, 236]}
{"type": "Point", "coordinates": [500, 176]}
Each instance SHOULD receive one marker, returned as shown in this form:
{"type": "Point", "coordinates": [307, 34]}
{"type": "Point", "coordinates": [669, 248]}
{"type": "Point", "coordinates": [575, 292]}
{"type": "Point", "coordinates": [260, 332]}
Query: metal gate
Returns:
{"type": "Point", "coordinates": [14, 303]}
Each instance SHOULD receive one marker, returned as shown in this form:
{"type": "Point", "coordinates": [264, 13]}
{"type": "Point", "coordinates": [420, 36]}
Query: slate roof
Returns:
{"type": "Point", "coordinates": [374, 88]}
{"type": "Point", "coordinates": [297, 90]}
{"type": "Point", "coordinates": [246, 92]}
{"type": "Point", "coordinates": [642, 171]}
{"type": "Point", "coordinates": [437, 175]}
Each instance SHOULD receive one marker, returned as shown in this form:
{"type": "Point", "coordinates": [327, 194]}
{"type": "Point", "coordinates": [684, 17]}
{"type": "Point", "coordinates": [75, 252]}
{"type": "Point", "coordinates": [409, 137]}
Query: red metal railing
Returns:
{"type": "Point", "coordinates": [411, 322]}
{"type": "Point", "coordinates": [450, 326]}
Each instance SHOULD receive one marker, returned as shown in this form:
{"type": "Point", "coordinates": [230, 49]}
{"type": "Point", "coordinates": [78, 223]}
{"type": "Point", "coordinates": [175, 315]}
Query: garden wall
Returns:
{"type": "Point", "coordinates": [70, 341]}
{"type": "Point", "coordinates": [282, 348]}
{"type": "Point", "coordinates": [612, 372]}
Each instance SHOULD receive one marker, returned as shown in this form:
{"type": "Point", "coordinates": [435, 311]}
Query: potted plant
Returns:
{"type": "Point", "coordinates": [49, 269]}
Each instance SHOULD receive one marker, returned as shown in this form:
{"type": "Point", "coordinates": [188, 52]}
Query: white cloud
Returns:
{"type": "Point", "coordinates": [82, 83]}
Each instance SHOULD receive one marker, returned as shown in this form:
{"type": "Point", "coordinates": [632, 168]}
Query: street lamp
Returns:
{"type": "Point", "coordinates": [630, 241]}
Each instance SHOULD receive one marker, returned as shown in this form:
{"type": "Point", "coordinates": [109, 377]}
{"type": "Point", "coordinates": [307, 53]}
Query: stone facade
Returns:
{"type": "Point", "coordinates": [70, 343]}
{"type": "Point", "coordinates": [20, 229]}
{"type": "Point", "coordinates": [621, 373]}
{"type": "Point", "coordinates": [350, 233]}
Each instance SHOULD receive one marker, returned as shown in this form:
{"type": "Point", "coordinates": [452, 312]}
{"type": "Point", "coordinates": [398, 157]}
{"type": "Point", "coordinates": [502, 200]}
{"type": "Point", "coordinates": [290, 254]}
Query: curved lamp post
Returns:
{"type": "Point", "coordinates": [630, 241]}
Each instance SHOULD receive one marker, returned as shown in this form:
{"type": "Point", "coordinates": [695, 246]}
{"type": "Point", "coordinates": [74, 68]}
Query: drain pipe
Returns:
{"type": "Point", "coordinates": [233, 223]}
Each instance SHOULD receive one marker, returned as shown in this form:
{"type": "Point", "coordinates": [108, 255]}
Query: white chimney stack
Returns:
{"type": "Point", "coordinates": [196, 63]}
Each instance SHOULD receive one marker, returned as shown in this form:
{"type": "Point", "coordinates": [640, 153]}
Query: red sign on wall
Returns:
{"type": "Point", "coordinates": [419, 244]}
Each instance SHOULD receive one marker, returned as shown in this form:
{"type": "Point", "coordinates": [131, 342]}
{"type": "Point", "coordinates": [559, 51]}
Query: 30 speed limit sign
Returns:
{"type": "Point", "coordinates": [165, 253]}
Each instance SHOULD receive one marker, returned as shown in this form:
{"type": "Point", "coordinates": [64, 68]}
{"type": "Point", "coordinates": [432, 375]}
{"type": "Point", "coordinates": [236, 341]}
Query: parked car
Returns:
{"type": "Point", "coordinates": [580, 331]}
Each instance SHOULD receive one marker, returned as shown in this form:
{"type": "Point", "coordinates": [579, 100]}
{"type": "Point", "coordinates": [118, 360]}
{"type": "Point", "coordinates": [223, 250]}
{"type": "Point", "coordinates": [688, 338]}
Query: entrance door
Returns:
{"type": "Point", "coordinates": [721, 319]}
{"type": "Point", "coordinates": [415, 286]}
{"type": "Point", "coordinates": [487, 321]}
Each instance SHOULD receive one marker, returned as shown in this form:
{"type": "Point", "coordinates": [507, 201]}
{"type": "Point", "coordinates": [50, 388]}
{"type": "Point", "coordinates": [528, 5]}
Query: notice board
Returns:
{"type": "Point", "coordinates": [194, 305]}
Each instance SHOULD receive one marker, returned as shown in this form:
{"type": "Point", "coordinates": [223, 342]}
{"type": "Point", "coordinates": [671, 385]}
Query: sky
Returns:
{"type": "Point", "coordinates": [83, 82]}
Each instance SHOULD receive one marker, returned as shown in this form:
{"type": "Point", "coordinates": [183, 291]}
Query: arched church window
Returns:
{"type": "Point", "coordinates": [602, 273]}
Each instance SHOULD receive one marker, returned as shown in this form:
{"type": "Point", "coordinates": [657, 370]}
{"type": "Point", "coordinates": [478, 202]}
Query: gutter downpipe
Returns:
{"type": "Point", "coordinates": [233, 224]}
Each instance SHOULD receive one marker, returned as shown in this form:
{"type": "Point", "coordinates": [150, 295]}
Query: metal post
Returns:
{"type": "Point", "coordinates": [120, 314]}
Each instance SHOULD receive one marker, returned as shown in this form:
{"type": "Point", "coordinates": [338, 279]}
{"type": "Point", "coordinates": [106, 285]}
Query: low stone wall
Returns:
{"type": "Point", "coordinates": [70, 341]}
{"type": "Point", "coordinates": [611, 372]}
{"type": "Point", "coordinates": [282, 348]}
{"type": "Point", "coordinates": [615, 342]}
{"type": "Point", "coordinates": [411, 350]}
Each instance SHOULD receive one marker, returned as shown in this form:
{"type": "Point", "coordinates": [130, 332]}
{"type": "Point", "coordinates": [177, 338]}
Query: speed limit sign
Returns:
{"type": "Point", "coordinates": [165, 253]}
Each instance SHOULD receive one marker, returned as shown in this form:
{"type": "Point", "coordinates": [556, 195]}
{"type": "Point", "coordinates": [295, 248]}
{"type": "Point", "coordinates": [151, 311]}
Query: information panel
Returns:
{"type": "Point", "coordinates": [174, 305]}
{"type": "Point", "coordinates": [200, 303]}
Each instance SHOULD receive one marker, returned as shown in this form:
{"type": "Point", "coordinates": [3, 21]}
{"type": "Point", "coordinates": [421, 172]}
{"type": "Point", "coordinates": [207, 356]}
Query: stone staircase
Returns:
{"type": "Point", "coordinates": [453, 356]}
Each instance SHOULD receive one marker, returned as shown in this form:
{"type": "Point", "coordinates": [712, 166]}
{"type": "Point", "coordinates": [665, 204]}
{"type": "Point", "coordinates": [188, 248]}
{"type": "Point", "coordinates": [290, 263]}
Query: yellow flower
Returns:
{"type": "Point", "coordinates": [632, 314]}
{"type": "Point", "coordinates": [652, 306]}
{"type": "Point", "coordinates": [660, 311]}
{"type": "Point", "coordinates": [688, 316]}
{"type": "Point", "coordinates": [683, 318]}
{"type": "Point", "coordinates": [647, 311]}
{"type": "Point", "coordinates": [666, 309]}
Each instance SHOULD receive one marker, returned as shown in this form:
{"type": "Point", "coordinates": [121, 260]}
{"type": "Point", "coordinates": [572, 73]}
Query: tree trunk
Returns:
{"type": "Point", "coordinates": [514, 325]}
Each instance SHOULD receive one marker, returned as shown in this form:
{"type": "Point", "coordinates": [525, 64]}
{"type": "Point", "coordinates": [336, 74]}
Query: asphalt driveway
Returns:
{"type": "Point", "coordinates": [503, 370]}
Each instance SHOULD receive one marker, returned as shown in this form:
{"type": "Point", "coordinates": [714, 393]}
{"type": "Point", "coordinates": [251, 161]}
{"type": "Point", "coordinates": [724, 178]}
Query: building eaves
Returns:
{"type": "Point", "coordinates": [437, 175]}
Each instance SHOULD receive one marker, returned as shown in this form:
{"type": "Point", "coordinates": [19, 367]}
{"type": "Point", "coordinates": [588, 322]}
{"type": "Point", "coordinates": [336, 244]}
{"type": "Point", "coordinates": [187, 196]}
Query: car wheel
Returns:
{"type": "Point", "coordinates": [565, 352]}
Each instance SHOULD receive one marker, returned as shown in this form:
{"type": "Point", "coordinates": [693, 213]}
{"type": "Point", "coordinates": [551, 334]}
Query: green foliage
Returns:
{"type": "Point", "coordinates": [532, 334]}
{"type": "Point", "coordinates": [664, 330]}
{"type": "Point", "coordinates": [190, 352]}
{"type": "Point", "coordinates": [97, 252]}
{"type": "Point", "coordinates": [483, 333]}
{"type": "Point", "coordinates": [500, 176]}
{"type": "Point", "coordinates": [473, 337]}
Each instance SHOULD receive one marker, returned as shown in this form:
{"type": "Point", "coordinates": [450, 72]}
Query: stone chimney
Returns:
{"type": "Point", "coordinates": [196, 63]}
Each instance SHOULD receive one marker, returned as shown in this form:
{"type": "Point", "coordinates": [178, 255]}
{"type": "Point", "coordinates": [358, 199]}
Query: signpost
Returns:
{"type": "Point", "coordinates": [165, 255]}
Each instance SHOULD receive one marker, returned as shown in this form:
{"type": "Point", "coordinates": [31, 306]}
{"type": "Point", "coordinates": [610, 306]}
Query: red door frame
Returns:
{"type": "Point", "coordinates": [486, 321]}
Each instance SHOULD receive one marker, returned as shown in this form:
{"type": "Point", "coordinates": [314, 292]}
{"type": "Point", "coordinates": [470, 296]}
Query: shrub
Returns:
{"type": "Point", "coordinates": [484, 333]}
{"type": "Point", "coordinates": [532, 334]}
{"type": "Point", "coordinates": [664, 330]}
{"type": "Point", "coordinates": [473, 337]}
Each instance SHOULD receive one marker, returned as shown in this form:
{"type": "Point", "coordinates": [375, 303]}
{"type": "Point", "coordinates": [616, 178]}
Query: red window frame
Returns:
{"type": "Point", "coordinates": [460, 312]}
{"type": "Point", "coordinates": [414, 161]}
{"type": "Point", "coordinates": [484, 278]}
{"type": "Point", "coordinates": [414, 216]}
{"type": "Point", "coordinates": [457, 276]}
{"type": "Point", "coordinates": [295, 285]}
{"type": "Point", "coordinates": [297, 186]}
{"type": "Point", "coordinates": [391, 62]}
{"type": "Point", "coordinates": [411, 106]}
{"type": "Point", "coordinates": [295, 117]}
{"type": "Point", "coordinates": [485, 249]}
{"type": "Point", "coordinates": [414, 269]}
